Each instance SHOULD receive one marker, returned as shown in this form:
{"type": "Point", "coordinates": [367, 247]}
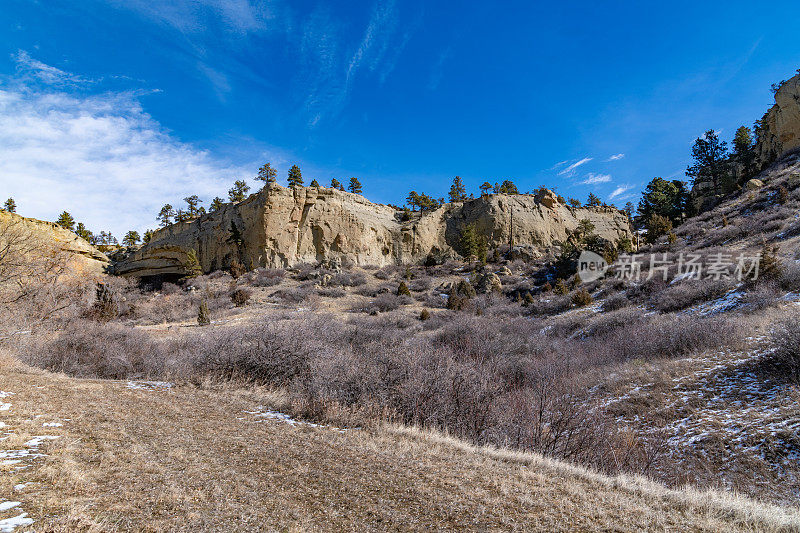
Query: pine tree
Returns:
{"type": "Point", "coordinates": [593, 200]}
{"type": "Point", "coordinates": [239, 191]}
{"type": "Point", "coordinates": [458, 193]}
{"type": "Point", "coordinates": [335, 184]}
{"type": "Point", "coordinates": [217, 203]}
{"type": "Point", "coordinates": [131, 238]}
{"type": "Point", "coordinates": [355, 186]}
{"type": "Point", "coordinates": [235, 236]}
{"type": "Point", "coordinates": [744, 152]}
{"type": "Point", "coordinates": [507, 187]}
{"type": "Point", "coordinates": [295, 177]}
{"type": "Point", "coordinates": [314, 183]}
{"type": "Point", "coordinates": [165, 215]}
{"type": "Point", "coordinates": [148, 236]}
{"type": "Point", "coordinates": [192, 265]}
{"type": "Point", "coordinates": [574, 202]}
{"type": "Point", "coordinates": [665, 198]}
{"type": "Point", "coordinates": [711, 163]}
{"type": "Point", "coordinates": [181, 215]}
{"type": "Point", "coordinates": [485, 188]}
{"type": "Point", "coordinates": [413, 200]}
{"type": "Point", "coordinates": [203, 316]}
{"type": "Point", "coordinates": [10, 205]}
{"type": "Point", "coordinates": [267, 174]}
{"type": "Point", "coordinates": [193, 201]}
{"type": "Point", "coordinates": [66, 221]}
{"type": "Point", "coordinates": [83, 233]}
{"type": "Point", "coordinates": [472, 245]}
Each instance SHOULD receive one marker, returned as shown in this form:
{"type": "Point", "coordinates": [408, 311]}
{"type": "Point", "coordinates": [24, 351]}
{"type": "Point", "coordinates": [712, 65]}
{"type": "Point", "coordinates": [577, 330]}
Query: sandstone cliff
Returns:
{"type": "Point", "coordinates": [781, 124]}
{"type": "Point", "coordinates": [27, 238]}
{"type": "Point", "coordinates": [279, 227]}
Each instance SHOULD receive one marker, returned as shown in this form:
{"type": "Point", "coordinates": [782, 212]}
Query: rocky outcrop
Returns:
{"type": "Point", "coordinates": [780, 127]}
{"type": "Point", "coordinates": [280, 227]}
{"type": "Point", "coordinates": [32, 237]}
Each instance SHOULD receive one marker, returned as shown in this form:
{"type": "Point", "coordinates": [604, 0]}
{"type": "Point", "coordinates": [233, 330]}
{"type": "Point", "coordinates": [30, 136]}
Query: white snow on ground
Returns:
{"type": "Point", "coordinates": [261, 414]}
{"type": "Point", "coordinates": [148, 385]}
{"type": "Point", "coordinates": [21, 458]}
{"type": "Point", "coordinates": [36, 441]}
{"type": "Point", "coordinates": [52, 425]}
{"type": "Point", "coordinates": [10, 524]}
{"type": "Point", "coordinates": [726, 400]}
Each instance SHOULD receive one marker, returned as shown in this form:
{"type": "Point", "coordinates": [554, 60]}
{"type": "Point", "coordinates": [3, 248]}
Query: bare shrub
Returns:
{"type": "Point", "coordinates": [786, 339]}
{"type": "Point", "coordinates": [761, 296]}
{"type": "Point", "coordinates": [331, 292]}
{"type": "Point", "coordinates": [551, 304]}
{"type": "Point", "coordinates": [387, 302]}
{"type": "Point", "coordinates": [170, 288]}
{"type": "Point", "coordinates": [90, 349]}
{"type": "Point", "coordinates": [615, 301]}
{"type": "Point", "coordinates": [265, 277]}
{"type": "Point", "coordinates": [272, 352]}
{"type": "Point", "coordinates": [687, 293]}
{"type": "Point", "coordinates": [292, 295]}
{"type": "Point", "coordinates": [790, 276]}
{"type": "Point", "coordinates": [420, 284]}
{"type": "Point", "coordinates": [385, 273]}
{"type": "Point", "coordinates": [348, 279]}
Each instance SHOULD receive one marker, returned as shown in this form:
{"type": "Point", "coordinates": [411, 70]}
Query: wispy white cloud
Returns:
{"type": "Point", "coordinates": [30, 67]}
{"type": "Point", "coordinates": [619, 191]}
{"type": "Point", "coordinates": [615, 157]}
{"type": "Point", "coordinates": [324, 60]}
{"type": "Point", "coordinates": [593, 179]}
{"type": "Point", "coordinates": [194, 16]}
{"type": "Point", "coordinates": [102, 158]}
{"type": "Point", "coordinates": [571, 169]}
{"type": "Point", "coordinates": [438, 69]}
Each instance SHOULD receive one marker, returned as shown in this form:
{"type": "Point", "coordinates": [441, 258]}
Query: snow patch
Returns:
{"type": "Point", "coordinates": [5, 506]}
{"type": "Point", "coordinates": [148, 385]}
{"type": "Point", "coordinates": [10, 524]}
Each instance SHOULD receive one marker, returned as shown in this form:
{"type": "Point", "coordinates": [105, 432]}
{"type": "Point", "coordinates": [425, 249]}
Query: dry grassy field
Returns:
{"type": "Point", "coordinates": [147, 457]}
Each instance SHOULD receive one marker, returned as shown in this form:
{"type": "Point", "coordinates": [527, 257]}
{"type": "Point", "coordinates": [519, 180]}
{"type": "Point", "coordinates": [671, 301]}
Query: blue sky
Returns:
{"type": "Point", "coordinates": [110, 109]}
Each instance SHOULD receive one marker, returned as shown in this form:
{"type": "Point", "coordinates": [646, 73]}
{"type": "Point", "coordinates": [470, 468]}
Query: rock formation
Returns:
{"type": "Point", "coordinates": [280, 227]}
{"type": "Point", "coordinates": [780, 126]}
{"type": "Point", "coordinates": [31, 237]}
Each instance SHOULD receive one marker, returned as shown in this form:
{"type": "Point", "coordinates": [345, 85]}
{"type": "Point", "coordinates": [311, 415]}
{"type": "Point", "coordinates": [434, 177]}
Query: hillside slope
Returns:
{"type": "Point", "coordinates": [148, 457]}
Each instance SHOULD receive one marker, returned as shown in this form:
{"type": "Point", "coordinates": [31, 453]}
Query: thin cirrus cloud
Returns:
{"type": "Point", "coordinates": [330, 72]}
{"type": "Point", "coordinates": [619, 191]}
{"type": "Point", "coordinates": [615, 157]}
{"type": "Point", "coordinates": [593, 179]}
{"type": "Point", "coordinates": [28, 67]}
{"type": "Point", "coordinates": [571, 168]}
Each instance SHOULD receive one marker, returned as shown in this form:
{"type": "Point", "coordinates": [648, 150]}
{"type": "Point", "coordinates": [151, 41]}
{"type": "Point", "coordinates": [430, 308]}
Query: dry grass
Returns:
{"type": "Point", "coordinates": [193, 459]}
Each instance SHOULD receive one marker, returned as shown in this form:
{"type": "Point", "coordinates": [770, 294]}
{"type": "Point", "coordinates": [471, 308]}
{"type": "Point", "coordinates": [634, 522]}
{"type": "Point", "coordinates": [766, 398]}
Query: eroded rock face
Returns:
{"type": "Point", "coordinates": [280, 227]}
{"type": "Point", "coordinates": [37, 237]}
{"type": "Point", "coordinates": [781, 123]}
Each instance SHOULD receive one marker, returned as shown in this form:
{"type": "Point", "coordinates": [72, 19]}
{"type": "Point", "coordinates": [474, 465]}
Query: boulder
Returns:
{"type": "Point", "coordinates": [753, 184]}
{"type": "Point", "coordinates": [488, 282]}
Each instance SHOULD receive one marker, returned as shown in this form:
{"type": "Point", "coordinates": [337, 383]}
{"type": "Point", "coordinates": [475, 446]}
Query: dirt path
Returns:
{"type": "Point", "coordinates": [157, 458]}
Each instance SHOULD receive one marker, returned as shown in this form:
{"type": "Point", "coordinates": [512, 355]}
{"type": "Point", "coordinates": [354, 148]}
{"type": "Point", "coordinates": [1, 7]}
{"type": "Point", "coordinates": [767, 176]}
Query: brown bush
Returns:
{"type": "Point", "coordinates": [582, 298]}
{"type": "Point", "coordinates": [240, 296]}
